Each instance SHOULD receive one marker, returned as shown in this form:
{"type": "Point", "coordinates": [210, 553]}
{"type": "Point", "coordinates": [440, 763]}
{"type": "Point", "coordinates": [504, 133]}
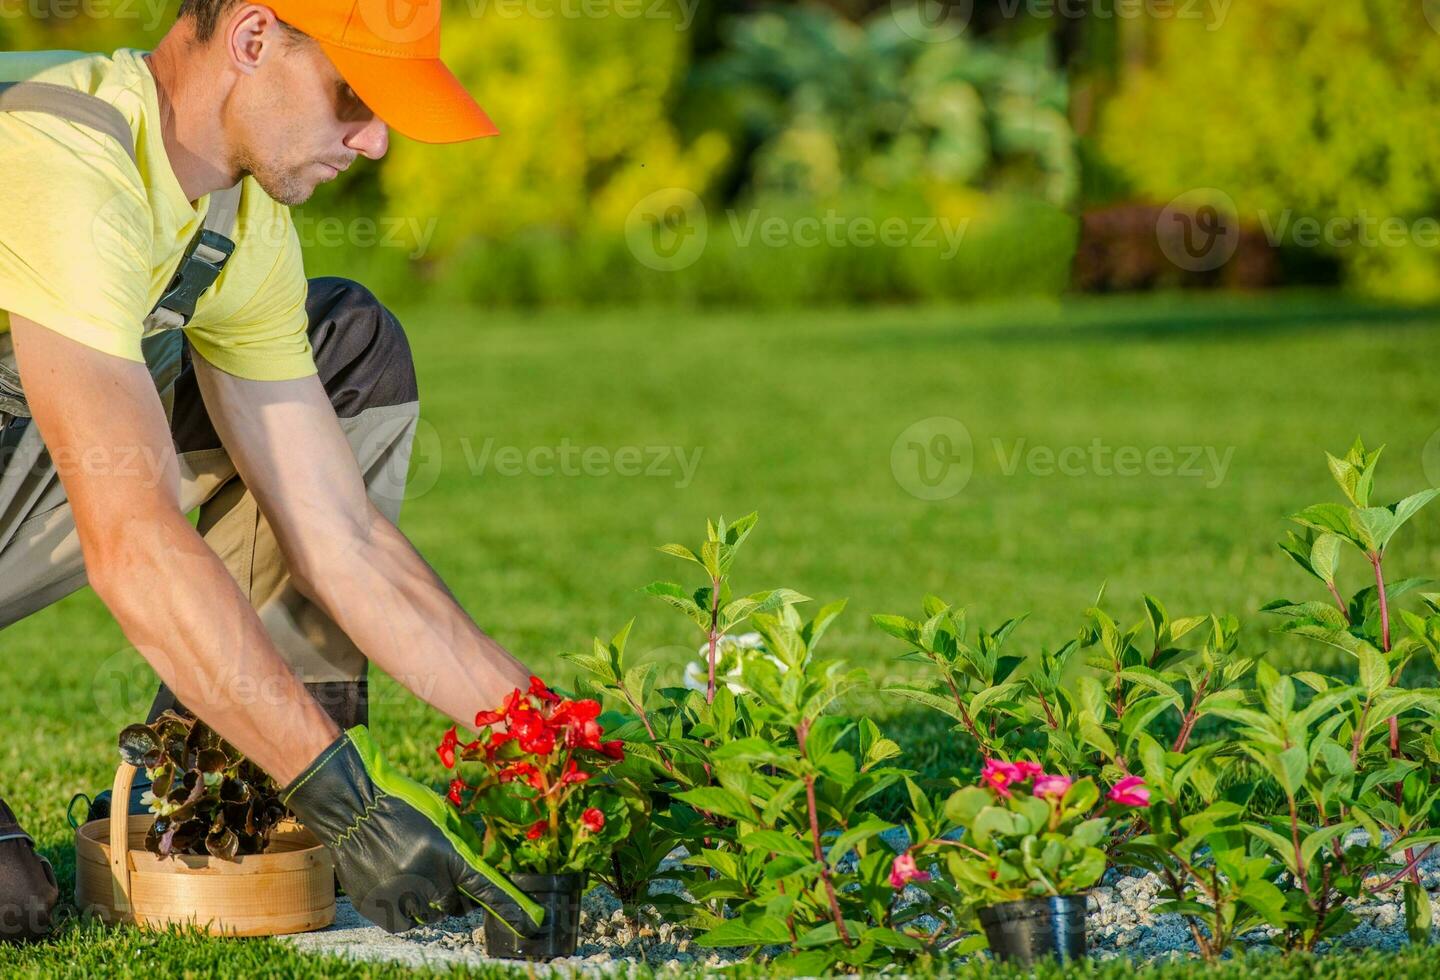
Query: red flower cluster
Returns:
{"type": "Point", "coordinates": [542, 725]}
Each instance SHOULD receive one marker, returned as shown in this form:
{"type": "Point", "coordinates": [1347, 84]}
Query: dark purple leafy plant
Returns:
{"type": "Point", "coordinates": [207, 798]}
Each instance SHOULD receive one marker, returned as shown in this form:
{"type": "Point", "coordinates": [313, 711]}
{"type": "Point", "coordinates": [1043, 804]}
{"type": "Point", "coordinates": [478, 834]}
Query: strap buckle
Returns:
{"type": "Point", "coordinates": [201, 265]}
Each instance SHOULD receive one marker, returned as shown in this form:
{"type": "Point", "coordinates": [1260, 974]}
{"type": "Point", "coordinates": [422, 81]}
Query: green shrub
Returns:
{"type": "Point", "coordinates": [1296, 109]}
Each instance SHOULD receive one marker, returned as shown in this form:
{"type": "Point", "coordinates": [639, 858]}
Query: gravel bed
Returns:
{"type": "Point", "coordinates": [1120, 924]}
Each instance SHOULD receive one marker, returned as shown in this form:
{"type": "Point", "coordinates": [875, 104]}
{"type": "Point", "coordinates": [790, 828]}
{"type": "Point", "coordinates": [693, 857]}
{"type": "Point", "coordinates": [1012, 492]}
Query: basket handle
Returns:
{"type": "Point", "coordinates": [120, 837]}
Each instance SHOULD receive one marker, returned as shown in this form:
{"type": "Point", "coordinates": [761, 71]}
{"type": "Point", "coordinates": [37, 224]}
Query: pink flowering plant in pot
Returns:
{"type": "Point", "coordinates": [1033, 844]}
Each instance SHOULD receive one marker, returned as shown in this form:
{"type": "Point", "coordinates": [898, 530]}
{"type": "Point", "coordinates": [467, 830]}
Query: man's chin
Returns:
{"type": "Point", "coordinates": [290, 190]}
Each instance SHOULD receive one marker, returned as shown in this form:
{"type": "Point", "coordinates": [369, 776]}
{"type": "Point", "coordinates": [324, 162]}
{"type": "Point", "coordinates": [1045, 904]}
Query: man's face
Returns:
{"type": "Point", "coordinates": [297, 123]}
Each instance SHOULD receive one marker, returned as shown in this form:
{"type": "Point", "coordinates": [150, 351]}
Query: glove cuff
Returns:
{"type": "Point", "coordinates": [335, 791]}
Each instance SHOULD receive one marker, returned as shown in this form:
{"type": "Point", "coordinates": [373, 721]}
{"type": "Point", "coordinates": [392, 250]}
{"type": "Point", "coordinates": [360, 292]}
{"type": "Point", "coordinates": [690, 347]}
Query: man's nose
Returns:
{"type": "Point", "coordinates": [371, 140]}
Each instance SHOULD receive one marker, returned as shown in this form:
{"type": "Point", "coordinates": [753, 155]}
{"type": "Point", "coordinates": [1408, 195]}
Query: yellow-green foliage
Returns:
{"type": "Point", "coordinates": [582, 106]}
{"type": "Point", "coordinates": [1297, 108]}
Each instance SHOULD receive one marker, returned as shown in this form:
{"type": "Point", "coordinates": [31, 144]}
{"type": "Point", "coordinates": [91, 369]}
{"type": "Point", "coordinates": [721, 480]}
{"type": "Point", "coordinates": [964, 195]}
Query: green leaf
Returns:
{"type": "Point", "coordinates": [679, 551]}
{"type": "Point", "coordinates": [1281, 847]}
{"type": "Point", "coordinates": [1293, 765]}
{"type": "Point", "coordinates": [754, 930]}
{"type": "Point", "coordinates": [1331, 518]}
{"type": "Point", "coordinates": [1374, 671]}
{"type": "Point", "coordinates": [1317, 839]}
{"type": "Point", "coordinates": [780, 843]}
{"type": "Point", "coordinates": [1417, 914]}
{"type": "Point", "coordinates": [674, 595]}
{"type": "Point", "coordinates": [713, 799]}
{"type": "Point", "coordinates": [847, 842]}
{"type": "Point", "coordinates": [1407, 508]}
{"type": "Point", "coordinates": [890, 939]}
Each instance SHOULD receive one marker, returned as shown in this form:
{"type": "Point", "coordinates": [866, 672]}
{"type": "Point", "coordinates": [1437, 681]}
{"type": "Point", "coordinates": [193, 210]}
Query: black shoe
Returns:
{"type": "Point", "coordinates": [28, 890]}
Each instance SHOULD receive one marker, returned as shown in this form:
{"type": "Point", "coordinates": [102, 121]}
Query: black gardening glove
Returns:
{"type": "Point", "coordinates": [404, 856]}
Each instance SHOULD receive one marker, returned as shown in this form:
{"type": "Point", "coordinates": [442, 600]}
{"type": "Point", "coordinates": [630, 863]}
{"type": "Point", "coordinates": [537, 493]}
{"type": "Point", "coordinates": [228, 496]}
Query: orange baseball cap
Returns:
{"type": "Point", "coordinates": [389, 53]}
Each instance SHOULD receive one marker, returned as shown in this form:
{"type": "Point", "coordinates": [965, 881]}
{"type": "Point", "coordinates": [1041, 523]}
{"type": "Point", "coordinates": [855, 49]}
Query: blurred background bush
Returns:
{"type": "Point", "coordinates": [744, 153]}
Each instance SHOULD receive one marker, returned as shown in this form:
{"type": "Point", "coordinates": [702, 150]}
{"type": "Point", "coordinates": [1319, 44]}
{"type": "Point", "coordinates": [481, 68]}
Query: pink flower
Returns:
{"type": "Point", "coordinates": [903, 871]}
{"type": "Point", "coordinates": [1130, 791]}
{"type": "Point", "coordinates": [998, 775]}
{"type": "Point", "coordinates": [1028, 770]}
{"type": "Point", "coordinates": [1052, 787]}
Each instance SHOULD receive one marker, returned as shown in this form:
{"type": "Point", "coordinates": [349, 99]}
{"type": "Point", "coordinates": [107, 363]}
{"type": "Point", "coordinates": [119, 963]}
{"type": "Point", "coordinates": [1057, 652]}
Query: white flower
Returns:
{"type": "Point", "coordinates": [158, 804]}
{"type": "Point", "coordinates": [731, 654]}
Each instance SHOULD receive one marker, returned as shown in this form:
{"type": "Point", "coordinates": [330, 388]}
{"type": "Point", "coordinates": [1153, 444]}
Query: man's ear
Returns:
{"type": "Point", "coordinates": [251, 34]}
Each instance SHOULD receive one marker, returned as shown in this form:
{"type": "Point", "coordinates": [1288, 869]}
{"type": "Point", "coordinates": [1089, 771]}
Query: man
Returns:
{"type": "Point", "coordinates": [284, 413]}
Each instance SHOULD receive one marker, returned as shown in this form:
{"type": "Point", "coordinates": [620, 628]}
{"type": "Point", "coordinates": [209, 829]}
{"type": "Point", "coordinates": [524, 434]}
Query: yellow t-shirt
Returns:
{"type": "Point", "coordinates": [89, 239]}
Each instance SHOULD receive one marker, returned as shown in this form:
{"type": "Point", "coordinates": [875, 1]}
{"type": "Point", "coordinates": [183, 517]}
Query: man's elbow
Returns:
{"type": "Point", "coordinates": [126, 559]}
{"type": "Point", "coordinates": [320, 561]}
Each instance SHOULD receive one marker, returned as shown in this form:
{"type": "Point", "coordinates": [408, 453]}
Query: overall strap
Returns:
{"type": "Point", "coordinates": [204, 258]}
{"type": "Point", "coordinates": [68, 103]}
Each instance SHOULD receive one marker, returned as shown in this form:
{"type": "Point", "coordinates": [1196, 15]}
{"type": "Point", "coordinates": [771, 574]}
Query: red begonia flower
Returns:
{"type": "Point", "coordinates": [446, 749]}
{"type": "Point", "coordinates": [593, 820]}
{"type": "Point", "coordinates": [537, 830]}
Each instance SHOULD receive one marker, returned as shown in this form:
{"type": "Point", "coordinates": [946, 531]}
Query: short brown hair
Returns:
{"type": "Point", "coordinates": [206, 15]}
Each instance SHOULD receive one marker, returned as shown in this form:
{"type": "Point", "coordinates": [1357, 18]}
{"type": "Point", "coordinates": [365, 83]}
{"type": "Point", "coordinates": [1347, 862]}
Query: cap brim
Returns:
{"type": "Point", "coordinates": [418, 98]}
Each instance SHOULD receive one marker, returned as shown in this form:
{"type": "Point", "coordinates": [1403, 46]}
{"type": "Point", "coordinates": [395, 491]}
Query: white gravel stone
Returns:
{"type": "Point", "coordinates": [1121, 923]}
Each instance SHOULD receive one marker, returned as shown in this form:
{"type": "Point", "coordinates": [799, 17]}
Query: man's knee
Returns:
{"type": "Point", "coordinates": [361, 350]}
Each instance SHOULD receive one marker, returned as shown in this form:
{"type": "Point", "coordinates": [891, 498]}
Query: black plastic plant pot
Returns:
{"type": "Point", "coordinates": [1032, 929]}
{"type": "Point", "coordinates": [559, 896]}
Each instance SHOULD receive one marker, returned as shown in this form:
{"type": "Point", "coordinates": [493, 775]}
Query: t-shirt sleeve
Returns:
{"type": "Point", "coordinates": [74, 226]}
{"type": "Point", "coordinates": [267, 339]}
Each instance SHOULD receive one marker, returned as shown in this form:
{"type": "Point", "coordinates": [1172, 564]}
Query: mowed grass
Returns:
{"type": "Point", "coordinates": [797, 415]}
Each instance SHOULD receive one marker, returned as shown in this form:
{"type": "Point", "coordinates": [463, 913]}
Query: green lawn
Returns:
{"type": "Point", "coordinates": [796, 415]}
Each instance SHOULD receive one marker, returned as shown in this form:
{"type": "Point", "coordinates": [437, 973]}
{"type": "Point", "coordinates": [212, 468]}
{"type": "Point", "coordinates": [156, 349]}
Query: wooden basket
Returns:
{"type": "Point", "coordinates": [289, 888]}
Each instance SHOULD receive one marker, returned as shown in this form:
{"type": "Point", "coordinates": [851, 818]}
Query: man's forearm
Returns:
{"type": "Point", "coordinates": [178, 605]}
{"type": "Point", "coordinates": [394, 607]}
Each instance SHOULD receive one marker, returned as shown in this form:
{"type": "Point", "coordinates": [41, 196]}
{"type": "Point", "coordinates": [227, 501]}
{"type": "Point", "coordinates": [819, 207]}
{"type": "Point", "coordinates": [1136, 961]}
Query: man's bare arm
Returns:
{"type": "Point", "coordinates": [346, 556]}
{"type": "Point", "coordinates": [170, 593]}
